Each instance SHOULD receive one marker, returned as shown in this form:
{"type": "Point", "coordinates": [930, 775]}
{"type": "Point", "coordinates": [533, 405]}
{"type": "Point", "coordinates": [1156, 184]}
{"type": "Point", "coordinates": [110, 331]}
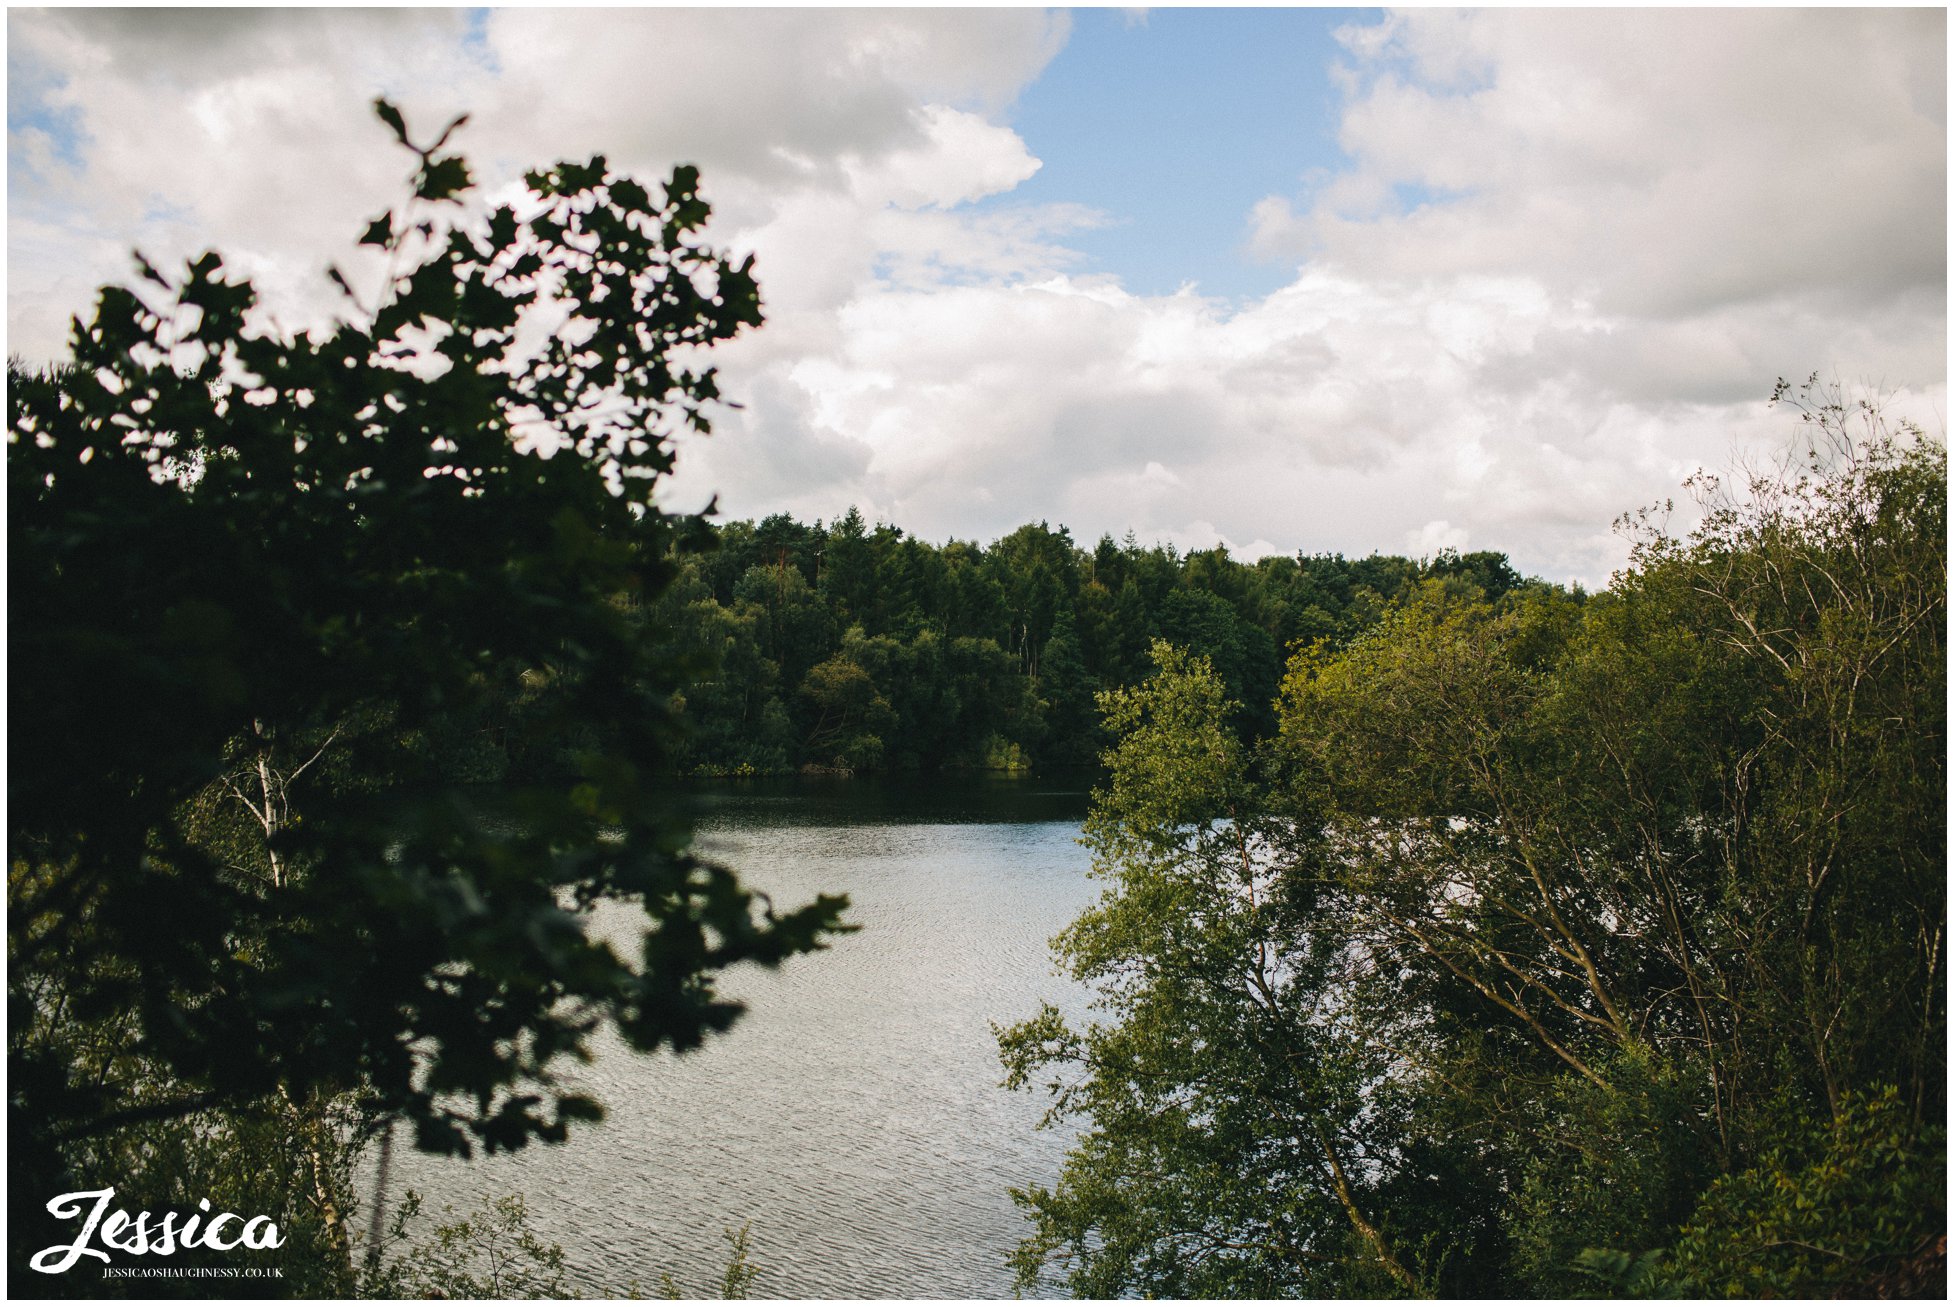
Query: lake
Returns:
{"type": "Point", "coordinates": [854, 1115]}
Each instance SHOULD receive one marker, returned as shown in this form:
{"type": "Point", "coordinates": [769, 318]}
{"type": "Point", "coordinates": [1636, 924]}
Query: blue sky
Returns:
{"type": "Point", "coordinates": [1175, 123]}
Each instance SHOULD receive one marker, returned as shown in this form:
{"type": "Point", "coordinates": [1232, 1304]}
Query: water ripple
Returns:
{"type": "Point", "coordinates": [854, 1116]}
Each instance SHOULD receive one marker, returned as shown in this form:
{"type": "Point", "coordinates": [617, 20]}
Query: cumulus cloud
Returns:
{"type": "Point", "coordinates": [252, 128]}
{"type": "Point", "coordinates": [1658, 165]}
{"type": "Point", "coordinates": [1566, 258]}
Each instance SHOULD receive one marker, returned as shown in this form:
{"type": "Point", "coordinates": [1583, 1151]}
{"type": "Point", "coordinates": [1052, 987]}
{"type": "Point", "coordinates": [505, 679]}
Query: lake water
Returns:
{"type": "Point", "coordinates": [854, 1115]}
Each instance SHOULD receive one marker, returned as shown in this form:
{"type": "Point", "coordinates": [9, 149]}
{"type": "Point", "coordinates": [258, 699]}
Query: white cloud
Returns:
{"type": "Point", "coordinates": [1433, 537]}
{"type": "Point", "coordinates": [1569, 255]}
{"type": "Point", "coordinates": [1655, 163]}
{"type": "Point", "coordinates": [960, 158]}
{"type": "Point", "coordinates": [253, 128]}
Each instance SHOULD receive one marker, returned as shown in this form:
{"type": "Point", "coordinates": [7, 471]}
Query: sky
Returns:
{"type": "Point", "coordinates": [1284, 280]}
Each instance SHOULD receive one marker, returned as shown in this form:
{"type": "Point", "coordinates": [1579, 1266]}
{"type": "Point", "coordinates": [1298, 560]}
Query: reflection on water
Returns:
{"type": "Point", "coordinates": [854, 1115]}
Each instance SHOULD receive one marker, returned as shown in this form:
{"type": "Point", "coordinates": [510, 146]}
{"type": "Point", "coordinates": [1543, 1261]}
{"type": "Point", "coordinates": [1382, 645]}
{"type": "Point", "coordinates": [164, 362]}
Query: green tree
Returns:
{"type": "Point", "coordinates": [1244, 655]}
{"type": "Point", "coordinates": [1842, 1208]}
{"type": "Point", "coordinates": [236, 552]}
{"type": "Point", "coordinates": [796, 628]}
{"type": "Point", "coordinates": [1673, 856]}
{"type": "Point", "coordinates": [851, 718]}
{"type": "Point", "coordinates": [1228, 1149]}
{"type": "Point", "coordinates": [488, 1253]}
{"type": "Point", "coordinates": [733, 714]}
{"type": "Point", "coordinates": [1071, 721]}
{"type": "Point", "coordinates": [1606, 934]}
{"type": "Point", "coordinates": [848, 570]}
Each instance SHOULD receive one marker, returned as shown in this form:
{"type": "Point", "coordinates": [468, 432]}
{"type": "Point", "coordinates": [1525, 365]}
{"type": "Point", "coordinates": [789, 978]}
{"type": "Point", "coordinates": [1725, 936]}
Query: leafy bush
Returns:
{"type": "Point", "coordinates": [1626, 1165]}
{"type": "Point", "coordinates": [1823, 1216]}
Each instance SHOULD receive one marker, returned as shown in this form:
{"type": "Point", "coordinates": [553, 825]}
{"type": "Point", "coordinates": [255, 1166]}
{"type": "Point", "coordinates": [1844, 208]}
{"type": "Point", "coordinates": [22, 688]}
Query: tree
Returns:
{"type": "Point", "coordinates": [1827, 584]}
{"type": "Point", "coordinates": [232, 549]}
{"type": "Point", "coordinates": [1071, 724]}
{"type": "Point", "coordinates": [1601, 938]}
{"type": "Point", "coordinates": [1052, 606]}
{"type": "Point", "coordinates": [1673, 856]}
{"type": "Point", "coordinates": [734, 718]}
{"type": "Point", "coordinates": [1244, 656]}
{"type": "Point", "coordinates": [850, 715]}
{"type": "Point", "coordinates": [796, 630]}
{"type": "Point", "coordinates": [848, 570]}
{"type": "Point", "coordinates": [1229, 1148]}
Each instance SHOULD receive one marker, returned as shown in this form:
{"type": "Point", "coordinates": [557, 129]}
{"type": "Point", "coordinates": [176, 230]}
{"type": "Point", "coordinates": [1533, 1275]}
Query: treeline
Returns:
{"type": "Point", "coordinates": [858, 648]}
{"type": "Point", "coordinates": [1547, 948]}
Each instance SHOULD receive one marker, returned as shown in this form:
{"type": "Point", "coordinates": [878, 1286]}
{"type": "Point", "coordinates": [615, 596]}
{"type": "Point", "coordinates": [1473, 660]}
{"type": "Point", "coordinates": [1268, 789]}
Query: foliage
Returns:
{"type": "Point", "coordinates": [1612, 1273]}
{"type": "Point", "coordinates": [1849, 1206]}
{"type": "Point", "coordinates": [737, 1280]}
{"type": "Point", "coordinates": [965, 654]}
{"type": "Point", "coordinates": [1576, 911]}
{"type": "Point", "coordinates": [1627, 1158]}
{"type": "Point", "coordinates": [1231, 1148]}
{"type": "Point", "coordinates": [491, 1253]}
{"type": "Point", "coordinates": [274, 585]}
{"type": "Point", "coordinates": [488, 1253]}
{"type": "Point", "coordinates": [1831, 1211]}
{"type": "Point", "coordinates": [291, 1162]}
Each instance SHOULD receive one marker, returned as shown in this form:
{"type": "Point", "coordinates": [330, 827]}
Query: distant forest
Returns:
{"type": "Point", "coordinates": [856, 648]}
